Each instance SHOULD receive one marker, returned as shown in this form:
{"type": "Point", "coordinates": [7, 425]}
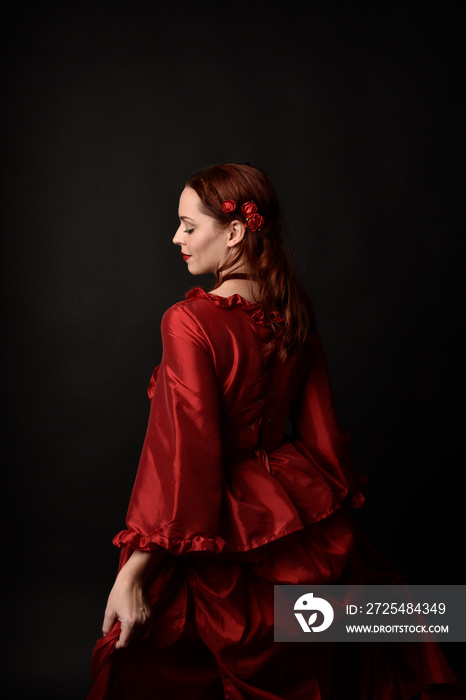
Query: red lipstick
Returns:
{"type": "Point", "coordinates": [185, 257]}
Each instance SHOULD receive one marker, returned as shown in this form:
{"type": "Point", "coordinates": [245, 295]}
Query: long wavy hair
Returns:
{"type": "Point", "coordinates": [263, 251]}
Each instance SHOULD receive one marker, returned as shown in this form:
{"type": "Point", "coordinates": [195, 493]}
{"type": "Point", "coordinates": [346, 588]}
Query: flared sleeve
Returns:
{"type": "Point", "coordinates": [176, 498]}
{"type": "Point", "coordinates": [318, 434]}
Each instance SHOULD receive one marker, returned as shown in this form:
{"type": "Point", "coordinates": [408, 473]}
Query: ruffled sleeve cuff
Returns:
{"type": "Point", "coordinates": [173, 545]}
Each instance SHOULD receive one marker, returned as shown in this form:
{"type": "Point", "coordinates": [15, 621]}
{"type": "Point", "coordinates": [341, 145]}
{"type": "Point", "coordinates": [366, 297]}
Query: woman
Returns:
{"type": "Point", "coordinates": [226, 503]}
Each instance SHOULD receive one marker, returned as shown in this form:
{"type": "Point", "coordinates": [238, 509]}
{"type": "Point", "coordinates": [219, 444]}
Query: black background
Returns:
{"type": "Point", "coordinates": [108, 108]}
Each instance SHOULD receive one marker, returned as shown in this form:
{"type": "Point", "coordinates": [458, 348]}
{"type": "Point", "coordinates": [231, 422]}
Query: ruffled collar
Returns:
{"type": "Point", "coordinates": [254, 308]}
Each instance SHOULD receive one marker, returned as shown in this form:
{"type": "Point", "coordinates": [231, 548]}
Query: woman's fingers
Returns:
{"type": "Point", "coordinates": [109, 621]}
{"type": "Point", "coordinates": [140, 627]}
{"type": "Point", "coordinates": [125, 636]}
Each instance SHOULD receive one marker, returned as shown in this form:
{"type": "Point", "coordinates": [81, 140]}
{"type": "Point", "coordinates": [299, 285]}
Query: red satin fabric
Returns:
{"type": "Point", "coordinates": [233, 505]}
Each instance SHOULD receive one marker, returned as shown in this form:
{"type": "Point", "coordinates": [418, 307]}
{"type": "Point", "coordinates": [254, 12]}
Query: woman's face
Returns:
{"type": "Point", "coordinates": [204, 244]}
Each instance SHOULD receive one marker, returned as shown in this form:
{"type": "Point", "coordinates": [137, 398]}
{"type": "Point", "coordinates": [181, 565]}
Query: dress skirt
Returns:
{"type": "Point", "coordinates": [212, 633]}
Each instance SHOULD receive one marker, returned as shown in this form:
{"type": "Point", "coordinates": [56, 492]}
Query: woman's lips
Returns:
{"type": "Point", "coordinates": [185, 257]}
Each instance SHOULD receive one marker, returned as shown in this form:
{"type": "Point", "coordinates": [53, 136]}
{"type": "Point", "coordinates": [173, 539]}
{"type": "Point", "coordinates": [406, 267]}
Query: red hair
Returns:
{"type": "Point", "coordinates": [262, 251]}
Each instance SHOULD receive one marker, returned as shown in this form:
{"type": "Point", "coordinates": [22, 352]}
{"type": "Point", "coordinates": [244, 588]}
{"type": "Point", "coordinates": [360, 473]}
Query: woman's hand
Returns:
{"type": "Point", "coordinates": [128, 602]}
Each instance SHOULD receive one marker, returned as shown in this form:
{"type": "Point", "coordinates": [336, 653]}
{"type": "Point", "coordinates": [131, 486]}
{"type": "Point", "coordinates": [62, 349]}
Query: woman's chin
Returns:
{"type": "Point", "coordinates": [196, 271]}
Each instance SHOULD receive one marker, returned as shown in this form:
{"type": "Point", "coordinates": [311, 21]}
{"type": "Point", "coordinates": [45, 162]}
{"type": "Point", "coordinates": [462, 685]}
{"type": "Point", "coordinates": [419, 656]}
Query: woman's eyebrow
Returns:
{"type": "Point", "coordinates": [186, 218]}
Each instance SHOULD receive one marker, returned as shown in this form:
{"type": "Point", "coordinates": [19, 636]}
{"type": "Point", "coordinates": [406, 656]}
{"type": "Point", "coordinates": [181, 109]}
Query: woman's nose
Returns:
{"type": "Point", "coordinates": [178, 237]}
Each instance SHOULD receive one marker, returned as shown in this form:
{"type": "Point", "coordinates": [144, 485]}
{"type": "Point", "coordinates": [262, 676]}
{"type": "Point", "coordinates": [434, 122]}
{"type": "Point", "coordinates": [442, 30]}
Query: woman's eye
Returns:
{"type": "Point", "coordinates": [189, 230]}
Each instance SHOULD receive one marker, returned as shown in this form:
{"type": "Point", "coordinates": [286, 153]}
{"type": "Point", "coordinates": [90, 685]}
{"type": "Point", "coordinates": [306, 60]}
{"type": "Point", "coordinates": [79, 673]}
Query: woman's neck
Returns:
{"type": "Point", "coordinates": [238, 276]}
{"type": "Point", "coordinates": [242, 283]}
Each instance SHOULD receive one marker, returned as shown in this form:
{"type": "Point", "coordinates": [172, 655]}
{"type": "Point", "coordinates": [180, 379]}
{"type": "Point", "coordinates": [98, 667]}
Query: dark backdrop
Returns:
{"type": "Point", "coordinates": [107, 110]}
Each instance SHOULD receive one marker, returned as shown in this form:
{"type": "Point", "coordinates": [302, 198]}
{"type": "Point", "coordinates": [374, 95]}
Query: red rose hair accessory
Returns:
{"type": "Point", "coordinates": [229, 206]}
{"type": "Point", "coordinates": [254, 220]}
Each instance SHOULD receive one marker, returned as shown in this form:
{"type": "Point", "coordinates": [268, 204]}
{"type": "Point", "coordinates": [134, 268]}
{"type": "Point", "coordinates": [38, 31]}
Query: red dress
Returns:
{"type": "Point", "coordinates": [234, 505]}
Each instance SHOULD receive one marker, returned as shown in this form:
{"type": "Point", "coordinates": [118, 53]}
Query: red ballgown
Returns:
{"type": "Point", "coordinates": [233, 505]}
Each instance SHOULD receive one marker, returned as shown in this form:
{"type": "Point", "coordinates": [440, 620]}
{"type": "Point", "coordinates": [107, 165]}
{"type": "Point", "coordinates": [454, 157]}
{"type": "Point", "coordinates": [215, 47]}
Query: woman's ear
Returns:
{"type": "Point", "coordinates": [236, 233]}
